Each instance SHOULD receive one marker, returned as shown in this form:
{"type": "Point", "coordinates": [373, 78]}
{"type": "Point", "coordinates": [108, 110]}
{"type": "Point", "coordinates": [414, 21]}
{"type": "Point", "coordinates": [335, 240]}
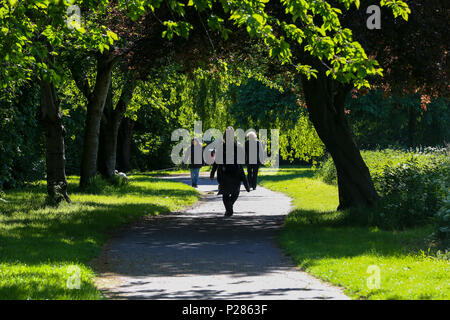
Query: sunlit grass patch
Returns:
{"type": "Point", "coordinates": [38, 244]}
{"type": "Point", "coordinates": [322, 242]}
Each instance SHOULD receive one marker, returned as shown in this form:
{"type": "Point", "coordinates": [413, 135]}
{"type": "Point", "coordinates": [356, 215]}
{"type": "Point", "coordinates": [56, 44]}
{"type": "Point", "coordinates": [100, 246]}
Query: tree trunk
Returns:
{"type": "Point", "coordinates": [108, 139]}
{"type": "Point", "coordinates": [109, 129]}
{"type": "Point", "coordinates": [325, 99]}
{"type": "Point", "coordinates": [96, 103]}
{"type": "Point", "coordinates": [50, 117]}
{"type": "Point", "coordinates": [124, 145]}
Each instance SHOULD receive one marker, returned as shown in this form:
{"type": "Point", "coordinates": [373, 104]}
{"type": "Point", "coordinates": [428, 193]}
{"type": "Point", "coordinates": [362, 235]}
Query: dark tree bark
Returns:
{"type": "Point", "coordinates": [124, 145]}
{"type": "Point", "coordinates": [109, 128]}
{"type": "Point", "coordinates": [96, 103]}
{"type": "Point", "coordinates": [325, 99]}
{"type": "Point", "coordinates": [50, 118]}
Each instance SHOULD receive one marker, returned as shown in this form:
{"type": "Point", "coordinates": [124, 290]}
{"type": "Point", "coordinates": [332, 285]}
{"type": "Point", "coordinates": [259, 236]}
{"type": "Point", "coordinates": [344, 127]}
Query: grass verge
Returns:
{"type": "Point", "coordinates": [315, 236]}
{"type": "Point", "coordinates": [42, 250]}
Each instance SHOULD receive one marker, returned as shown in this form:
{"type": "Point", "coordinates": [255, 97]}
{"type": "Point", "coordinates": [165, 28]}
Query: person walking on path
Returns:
{"type": "Point", "coordinates": [253, 158]}
{"type": "Point", "coordinates": [231, 172]}
{"type": "Point", "coordinates": [194, 157]}
{"type": "Point", "coordinates": [219, 173]}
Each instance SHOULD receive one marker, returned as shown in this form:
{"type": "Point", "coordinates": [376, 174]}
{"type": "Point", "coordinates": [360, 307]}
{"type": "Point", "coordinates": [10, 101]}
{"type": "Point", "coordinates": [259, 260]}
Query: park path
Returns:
{"type": "Point", "coordinates": [199, 254]}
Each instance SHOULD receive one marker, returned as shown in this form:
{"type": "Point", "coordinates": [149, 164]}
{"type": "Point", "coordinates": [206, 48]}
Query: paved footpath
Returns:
{"type": "Point", "coordinates": [199, 254]}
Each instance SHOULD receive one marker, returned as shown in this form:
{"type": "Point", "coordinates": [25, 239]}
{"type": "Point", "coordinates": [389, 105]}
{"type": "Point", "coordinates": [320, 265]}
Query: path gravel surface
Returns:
{"type": "Point", "coordinates": [199, 254]}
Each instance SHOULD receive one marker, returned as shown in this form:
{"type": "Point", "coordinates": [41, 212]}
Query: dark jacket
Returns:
{"type": "Point", "coordinates": [229, 175]}
{"type": "Point", "coordinates": [189, 158]}
{"type": "Point", "coordinates": [259, 150]}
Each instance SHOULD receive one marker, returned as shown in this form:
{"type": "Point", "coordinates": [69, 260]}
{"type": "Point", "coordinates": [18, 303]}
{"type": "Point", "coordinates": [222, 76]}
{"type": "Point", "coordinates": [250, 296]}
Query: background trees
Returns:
{"type": "Point", "coordinates": [33, 34]}
{"type": "Point", "coordinates": [172, 63]}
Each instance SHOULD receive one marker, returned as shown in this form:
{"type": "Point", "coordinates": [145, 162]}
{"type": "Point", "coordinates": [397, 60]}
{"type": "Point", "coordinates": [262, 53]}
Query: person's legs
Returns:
{"type": "Point", "coordinates": [250, 175]}
{"type": "Point", "coordinates": [226, 198]}
{"type": "Point", "coordinates": [192, 176]}
{"type": "Point", "coordinates": [234, 195]}
{"type": "Point", "coordinates": [254, 176]}
{"type": "Point", "coordinates": [219, 180]}
{"type": "Point", "coordinates": [230, 195]}
{"type": "Point", "coordinates": [196, 174]}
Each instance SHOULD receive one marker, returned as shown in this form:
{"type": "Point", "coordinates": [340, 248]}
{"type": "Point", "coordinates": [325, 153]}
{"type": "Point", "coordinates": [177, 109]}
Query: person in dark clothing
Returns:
{"type": "Point", "coordinates": [195, 161]}
{"type": "Point", "coordinates": [253, 158]}
{"type": "Point", "coordinates": [219, 176]}
{"type": "Point", "coordinates": [231, 175]}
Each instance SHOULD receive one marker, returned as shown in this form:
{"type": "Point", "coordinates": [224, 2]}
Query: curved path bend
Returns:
{"type": "Point", "coordinates": [199, 254]}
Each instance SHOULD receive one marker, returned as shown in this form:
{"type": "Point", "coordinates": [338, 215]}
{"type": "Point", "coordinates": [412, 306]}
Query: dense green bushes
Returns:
{"type": "Point", "coordinates": [413, 187]}
{"type": "Point", "coordinates": [21, 139]}
{"type": "Point", "coordinates": [442, 222]}
{"type": "Point", "coordinates": [380, 121]}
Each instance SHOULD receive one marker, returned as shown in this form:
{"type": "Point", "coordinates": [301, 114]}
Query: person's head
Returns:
{"type": "Point", "coordinates": [228, 131]}
{"type": "Point", "coordinates": [251, 135]}
{"type": "Point", "coordinates": [194, 141]}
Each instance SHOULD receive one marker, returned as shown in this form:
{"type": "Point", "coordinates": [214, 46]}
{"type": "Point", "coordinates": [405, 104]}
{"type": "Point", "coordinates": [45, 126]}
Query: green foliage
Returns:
{"type": "Point", "coordinates": [21, 143]}
{"type": "Point", "coordinates": [36, 37]}
{"type": "Point", "coordinates": [382, 122]}
{"type": "Point", "coordinates": [412, 192]}
{"type": "Point", "coordinates": [259, 106]}
{"type": "Point", "coordinates": [442, 223]}
{"type": "Point", "coordinates": [316, 23]}
{"type": "Point", "coordinates": [301, 142]}
{"type": "Point", "coordinates": [73, 107]}
{"type": "Point", "coordinates": [32, 31]}
{"type": "Point", "coordinates": [322, 243]}
{"type": "Point", "coordinates": [100, 185]}
{"type": "Point", "coordinates": [413, 186]}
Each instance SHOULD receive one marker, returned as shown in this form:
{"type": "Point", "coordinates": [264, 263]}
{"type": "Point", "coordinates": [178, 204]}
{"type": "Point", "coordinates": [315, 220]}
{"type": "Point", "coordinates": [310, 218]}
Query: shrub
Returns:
{"type": "Point", "coordinates": [413, 186]}
{"type": "Point", "coordinates": [412, 192]}
{"type": "Point", "coordinates": [327, 171]}
{"type": "Point", "coordinates": [100, 185]}
{"type": "Point", "coordinates": [442, 223]}
{"type": "Point", "coordinates": [97, 185]}
{"type": "Point", "coordinates": [22, 153]}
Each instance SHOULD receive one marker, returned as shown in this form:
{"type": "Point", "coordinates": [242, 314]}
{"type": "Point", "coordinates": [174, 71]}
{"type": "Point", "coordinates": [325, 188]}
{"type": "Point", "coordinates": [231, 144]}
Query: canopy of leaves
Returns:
{"type": "Point", "coordinates": [31, 29]}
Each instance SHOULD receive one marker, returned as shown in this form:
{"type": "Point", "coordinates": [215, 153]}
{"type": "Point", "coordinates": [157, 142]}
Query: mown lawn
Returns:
{"type": "Point", "coordinates": [175, 171]}
{"type": "Point", "coordinates": [320, 242]}
{"type": "Point", "coordinates": [41, 248]}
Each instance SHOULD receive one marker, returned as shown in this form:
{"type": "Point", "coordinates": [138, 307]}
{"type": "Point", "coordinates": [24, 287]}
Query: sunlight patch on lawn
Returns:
{"type": "Point", "coordinates": [318, 241]}
{"type": "Point", "coordinates": [40, 244]}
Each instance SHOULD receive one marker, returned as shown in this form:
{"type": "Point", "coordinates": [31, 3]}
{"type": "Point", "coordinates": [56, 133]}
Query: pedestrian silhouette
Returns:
{"type": "Point", "coordinates": [231, 172]}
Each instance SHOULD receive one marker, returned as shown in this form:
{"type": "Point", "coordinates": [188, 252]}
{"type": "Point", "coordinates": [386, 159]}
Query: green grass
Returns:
{"type": "Point", "coordinates": [320, 242]}
{"type": "Point", "coordinates": [176, 171]}
{"type": "Point", "coordinates": [39, 246]}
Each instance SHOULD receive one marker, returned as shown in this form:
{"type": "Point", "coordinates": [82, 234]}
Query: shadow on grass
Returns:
{"type": "Point", "coordinates": [31, 235]}
{"type": "Point", "coordinates": [68, 237]}
{"type": "Point", "coordinates": [310, 236]}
